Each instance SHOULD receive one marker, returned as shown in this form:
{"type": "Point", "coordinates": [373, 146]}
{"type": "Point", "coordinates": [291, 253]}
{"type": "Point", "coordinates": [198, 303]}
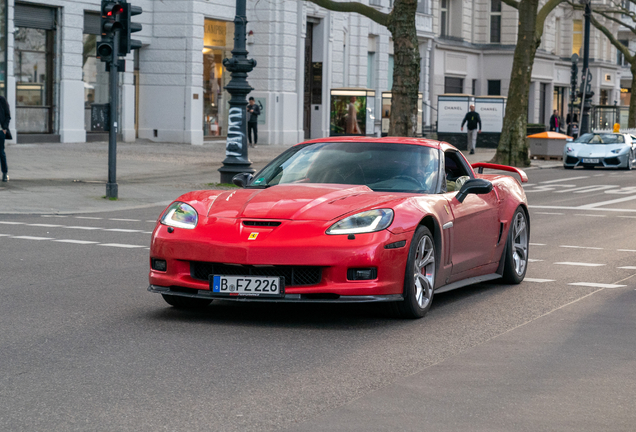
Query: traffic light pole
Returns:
{"type": "Point", "coordinates": [586, 102]}
{"type": "Point", "coordinates": [111, 186]}
{"type": "Point", "coordinates": [236, 160]}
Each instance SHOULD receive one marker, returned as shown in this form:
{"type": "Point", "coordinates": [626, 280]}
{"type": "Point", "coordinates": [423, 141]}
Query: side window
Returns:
{"type": "Point", "coordinates": [455, 171]}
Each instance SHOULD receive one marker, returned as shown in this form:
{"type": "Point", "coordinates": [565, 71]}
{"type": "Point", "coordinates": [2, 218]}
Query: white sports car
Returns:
{"type": "Point", "coordinates": [611, 150]}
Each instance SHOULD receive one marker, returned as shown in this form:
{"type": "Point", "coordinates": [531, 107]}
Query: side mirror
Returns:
{"type": "Point", "coordinates": [242, 179]}
{"type": "Point", "coordinates": [473, 186]}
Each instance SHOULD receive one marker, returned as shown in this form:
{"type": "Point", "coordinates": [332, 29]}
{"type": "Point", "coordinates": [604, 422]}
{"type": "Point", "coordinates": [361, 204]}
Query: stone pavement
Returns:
{"type": "Point", "coordinates": [71, 178]}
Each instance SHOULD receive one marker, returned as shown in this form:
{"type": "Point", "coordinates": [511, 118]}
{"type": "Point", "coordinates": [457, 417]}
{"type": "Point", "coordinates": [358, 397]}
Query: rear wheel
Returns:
{"type": "Point", "coordinates": [419, 278]}
{"type": "Point", "coordinates": [516, 252]}
{"type": "Point", "coordinates": [186, 302]}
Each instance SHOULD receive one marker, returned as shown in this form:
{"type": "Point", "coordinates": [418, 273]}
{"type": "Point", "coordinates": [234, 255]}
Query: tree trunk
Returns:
{"type": "Point", "coordinates": [631, 119]}
{"type": "Point", "coordinates": [513, 147]}
{"type": "Point", "coordinates": [406, 71]}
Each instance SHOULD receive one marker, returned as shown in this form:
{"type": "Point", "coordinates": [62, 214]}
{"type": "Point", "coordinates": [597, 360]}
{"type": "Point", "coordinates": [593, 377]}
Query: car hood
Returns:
{"type": "Point", "coordinates": [296, 202]}
{"type": "Point", "coordinates": [595, 150]}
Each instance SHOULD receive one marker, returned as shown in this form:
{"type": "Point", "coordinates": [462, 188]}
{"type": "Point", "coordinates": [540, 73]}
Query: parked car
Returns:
{"type": "Point", "coordinates": [610, 150]}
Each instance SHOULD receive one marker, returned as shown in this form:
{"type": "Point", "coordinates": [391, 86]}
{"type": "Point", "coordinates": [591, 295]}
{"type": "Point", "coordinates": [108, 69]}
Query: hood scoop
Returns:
{"type": "Point", "coordinates": [261, 223]}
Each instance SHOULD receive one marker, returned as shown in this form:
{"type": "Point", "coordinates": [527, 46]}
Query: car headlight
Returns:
{"type": "Point", "coordinates": [365, 222]}
{"type": "Point", "coordinates": [617, 151]}
{"type": "Point", "coordinates": [569, 149]}
{"type": "Point", "coordinates": [180, 215]}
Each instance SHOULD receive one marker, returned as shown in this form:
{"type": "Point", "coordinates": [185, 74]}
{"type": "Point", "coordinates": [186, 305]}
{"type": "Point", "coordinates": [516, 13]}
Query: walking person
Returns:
{"type": "Point", "coordinates": [555, 121]}
{"type": "Point", "coordinates": [253, 112]}
{"type": "Point", "coordinates": [473, 119]}
{"type": "Point", "coordinates": [5, 118]}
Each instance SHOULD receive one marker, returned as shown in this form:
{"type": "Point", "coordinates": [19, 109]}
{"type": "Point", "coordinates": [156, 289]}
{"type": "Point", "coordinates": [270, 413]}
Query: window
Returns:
{"type": "Point", "coordinates": [543, 89]}
{"type": "Point", "coordinates": [494, 87]}
{"type": "Point", "coordinates": [604, 97]}
{"type": "Point", "coordinates": [620, 58]}
{"type": "Point", "coordinates": [371, 62]}
{"type": "Point", "coordinates": [443, 18]}
{"type": "Point", "coordinates": [423, 6]}
{"type": "Point", "coordinates": [577, 36]}
{"type": "Point", "coordinates": [495, 21]}
{"type": "Point", "coordinates": [557, 36]}
{"type": "Point", "coordinates": [474, 87]}
{"type": "Point", "coordinates": [453, 85]}
{"type": "Point", "coordinates": [94, 73]}
{"type": "Point", "coordinates": [391, 66]}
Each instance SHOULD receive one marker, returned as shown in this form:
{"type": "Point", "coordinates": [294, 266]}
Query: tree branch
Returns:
{"type": "Point", "coordinates": [369, 12]}
{"type": "Point", "coordinates": [622, 48]}
{"type": "Point", "coordinates": [543, 14]}
{"type": "Point", "coordinates": [511, 3]}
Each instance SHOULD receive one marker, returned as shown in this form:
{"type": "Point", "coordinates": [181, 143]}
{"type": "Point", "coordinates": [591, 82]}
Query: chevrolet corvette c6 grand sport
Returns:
{"type": "Point", "coordinates": [348, 219]}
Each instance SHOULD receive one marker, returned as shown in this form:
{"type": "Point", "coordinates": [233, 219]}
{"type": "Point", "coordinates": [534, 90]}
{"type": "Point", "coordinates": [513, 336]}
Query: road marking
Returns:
{"type": "Point", "coordinates": [589, 215]}
{"type": "Point", "coordinates": [598, 175]}
{"type": "Point", "coordinates": [123, 230]}
{"type": "Point", "coordinates": [562, 180]}
{"type": "Point", "coordinates": [152, 221]}
{"type": "Point", "coordinates": [596, 285]}
{"type": "Point", "coordinates": [538, 280]}
{"type": "Point", "coordinates": [11, 223]}
{"type": "Point", "coordinates": [581, 208]}
{"type": "Point", "coordinates": [548, 188]}
{"type": "Point", "coordinates": [5, 235]}
{"type": "Point", "coordinates": [585, 189]}
{"type": "Point", "coordinates": [579, 264]}
{"type": "Point", "coordinates": [33, 238]}
{"type": "Point", "coordinates": [626, 250]}
{"type": "Point", "coordinates": [83, 242]}
{"type": "Point", "coordinates": [45, 225]}
{"type": "Point", "coordinates": [627, 217]}
{"type": "Point", "coordinates": [88, 217]}
{"type": "Point", "coordinates": [147, 232]}
{"type": "Point", "coordinates": [534, 260]}
{"type": "Point", "coordinates": [628, 268]}
{"type": "Point", "coordinates": [55, 216]}
{"type": "Point", "coordinates": [580, 247]}
{"type": "Point", "coordinates": [528, 185]}
{"type": "Point", "coordinates": [82, 227]}
{"type": "Point", "coordinates": [125, 220]}
{"type": "Point", "coordinates": [536, 244]}
{"type": "Point", "coordinates": [129, 246]}
{"type": "Point", "coordinates": [604, 203]}
{"type": "Point", "coordinates": [548, 213]}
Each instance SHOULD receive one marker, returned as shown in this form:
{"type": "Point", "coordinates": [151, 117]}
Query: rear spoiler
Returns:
{"type": "Point", "coordinates": [481, 165]}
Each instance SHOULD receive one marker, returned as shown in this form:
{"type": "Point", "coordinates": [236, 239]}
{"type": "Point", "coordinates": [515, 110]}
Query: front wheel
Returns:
{"type": "Point", "coordinates": [180, 302]}
{"type": "Point", "coordinates": [516, 252]}
{"type": "Point", "coordinates": [630, 161]}
{"type": "Point", "coordinates": [419, 278]}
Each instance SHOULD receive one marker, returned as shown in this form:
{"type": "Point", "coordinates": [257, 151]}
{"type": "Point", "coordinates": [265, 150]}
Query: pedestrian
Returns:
{"type": "Point", "coordinates": [5, 118]}
{"type": "Point", "coordinates": [473, 119]}
{"type": "Point", "coordinates": [555, 121]}
{"type": "Point", "coordinates": [253, 111]}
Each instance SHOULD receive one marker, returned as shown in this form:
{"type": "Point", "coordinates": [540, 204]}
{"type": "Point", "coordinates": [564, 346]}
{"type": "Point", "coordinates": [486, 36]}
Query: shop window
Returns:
{"type": "Point", "coordinates": [494, 87]}
{"type": "Point", "coordinates": [577, 36]}
{"type": "Point", "coordinates": [94, 75]}
{"type": "Point", "coordinates": [218, 44]}
{"type": "Point", "coordinates": [453, 85]}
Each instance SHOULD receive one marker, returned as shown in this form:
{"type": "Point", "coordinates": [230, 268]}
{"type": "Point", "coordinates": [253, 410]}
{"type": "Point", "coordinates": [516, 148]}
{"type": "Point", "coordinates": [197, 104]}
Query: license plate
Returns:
{"type": "Point", "coordinates": [587, 160]}
{"type": "Point", "coordinates": [252, 286]}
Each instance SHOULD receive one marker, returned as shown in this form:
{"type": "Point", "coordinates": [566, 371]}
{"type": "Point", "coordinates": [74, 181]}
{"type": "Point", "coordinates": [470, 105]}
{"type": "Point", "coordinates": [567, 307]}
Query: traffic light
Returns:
{"type": "Point", "coordinates": [126, 44]}
{"type": "Point", "coordinates": [111, 10]}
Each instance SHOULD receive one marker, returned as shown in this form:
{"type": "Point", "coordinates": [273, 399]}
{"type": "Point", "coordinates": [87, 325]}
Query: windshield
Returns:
{"type": "Point", "coordinates": [600, 138]}
{"type": "Point", "coordinates": [380, 166]}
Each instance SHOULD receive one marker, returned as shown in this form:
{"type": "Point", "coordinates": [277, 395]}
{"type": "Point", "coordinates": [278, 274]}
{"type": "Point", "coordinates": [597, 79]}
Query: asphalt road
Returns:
{"type": "Point", "coordinates": [85, 347]}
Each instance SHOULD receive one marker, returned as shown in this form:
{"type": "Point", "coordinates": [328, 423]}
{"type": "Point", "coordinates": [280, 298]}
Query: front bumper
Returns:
{"type": "Point", "coordinates": [614, 161]}
{"type": "Point", "coordinates": [287, 298]}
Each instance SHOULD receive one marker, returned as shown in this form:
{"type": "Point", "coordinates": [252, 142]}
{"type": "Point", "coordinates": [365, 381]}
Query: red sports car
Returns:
{"type": "Point", "coordinates": [348, 219]}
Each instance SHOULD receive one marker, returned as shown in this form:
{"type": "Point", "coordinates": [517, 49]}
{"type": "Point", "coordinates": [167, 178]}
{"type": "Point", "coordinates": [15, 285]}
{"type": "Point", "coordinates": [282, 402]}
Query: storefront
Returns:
{"type": "Point", "coordinates": [218, 44]}
{"type": "Point", "coordinates": [33, 67]}
{"type": "Point", "coordinates": [3, 47]}
{"type": "Point", "coordinates": [94, 76]}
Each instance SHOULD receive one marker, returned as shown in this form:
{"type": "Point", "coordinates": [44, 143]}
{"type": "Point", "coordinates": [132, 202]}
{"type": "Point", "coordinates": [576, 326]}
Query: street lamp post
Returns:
{"type": "Point", "coordinates": [239, 65]}
{"type": "Point", "coordinates": [586, 97]}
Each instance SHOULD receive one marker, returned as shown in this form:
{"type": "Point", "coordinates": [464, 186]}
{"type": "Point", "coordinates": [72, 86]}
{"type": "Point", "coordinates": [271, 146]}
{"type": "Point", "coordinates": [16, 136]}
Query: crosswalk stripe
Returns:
{"type": "Point", "coordinates": [83, 242]}
{"type": "Point", "coordinates": [628, 267]}
{"type": "Point", "coordinates": [538, 280]}
{"type": "Point", "coordinates": [129, 246]}
{"type": "Point", "coordinates": [580, 247]}
{"type": "Point", "coordinates": [125, 220]}
{"type": "Point", "coordinates": [33, 238]}
{"type": "Point", "coordinates": [582, 264]}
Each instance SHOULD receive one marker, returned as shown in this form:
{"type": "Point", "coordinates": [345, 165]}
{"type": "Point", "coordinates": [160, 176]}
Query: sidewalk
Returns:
{"type": "Point", "coordinates": [71, 178]}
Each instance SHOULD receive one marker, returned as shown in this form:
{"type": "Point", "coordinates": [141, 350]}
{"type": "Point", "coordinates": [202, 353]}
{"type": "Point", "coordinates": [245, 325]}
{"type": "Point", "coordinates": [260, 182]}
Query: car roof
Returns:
{"type": "Point", "coordinates": [384, 140]}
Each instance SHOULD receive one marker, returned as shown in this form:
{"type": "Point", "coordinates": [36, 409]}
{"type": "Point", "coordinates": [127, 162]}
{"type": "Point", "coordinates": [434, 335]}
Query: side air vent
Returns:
{"type": "Point", "coordinates": [261, 223]}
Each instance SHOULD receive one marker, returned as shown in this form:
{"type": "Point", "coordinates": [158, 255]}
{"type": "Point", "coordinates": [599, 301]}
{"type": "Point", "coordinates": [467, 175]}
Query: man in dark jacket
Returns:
{"type": "Point", "coordinates": [5, 118]}
{"type": "Point", "coordinates": [473, 119]}
{"type": "Point", "coordinates": [555, 122]}
{"type": "Point", "coordinates": [253, 111]}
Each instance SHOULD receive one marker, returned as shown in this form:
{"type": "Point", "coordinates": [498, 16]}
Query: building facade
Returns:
{"type": "Point", "coordinates": [173, 87]}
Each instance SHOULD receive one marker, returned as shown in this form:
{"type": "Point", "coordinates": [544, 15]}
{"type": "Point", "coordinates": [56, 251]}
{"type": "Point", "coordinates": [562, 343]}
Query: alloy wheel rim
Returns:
{"type": "Point", "coordinates": [520, 243]}
{"type": "Point", "coordinates": [424, 274]}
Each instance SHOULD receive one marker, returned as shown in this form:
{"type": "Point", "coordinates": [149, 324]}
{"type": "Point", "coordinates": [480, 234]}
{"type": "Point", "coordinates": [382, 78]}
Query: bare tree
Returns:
{"type": "Point", "coordinates": [513, 147]}
{"type": "Point", "coordinates": [406, 72]}
{"type": "Point", "coordinates": [622, 14]}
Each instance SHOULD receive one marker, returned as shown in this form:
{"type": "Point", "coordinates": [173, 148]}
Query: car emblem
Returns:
{"type": "Point", "coordinates": [253, 236]}
{"type": "Point", "coordinates": [446, 208]}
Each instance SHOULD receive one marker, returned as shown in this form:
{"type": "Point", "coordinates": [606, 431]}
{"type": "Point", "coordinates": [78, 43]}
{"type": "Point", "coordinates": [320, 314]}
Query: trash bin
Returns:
{"type": "Point", "coordinates": [547, 145]}
{"type": "Point", "coordinates": [100, 116]}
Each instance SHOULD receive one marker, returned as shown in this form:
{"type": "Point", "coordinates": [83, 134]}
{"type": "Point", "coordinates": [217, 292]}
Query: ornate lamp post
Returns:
{"type": "Point", "coordinates": [239, 65]}
{"type": "Point", "coordinates": [586, 96]}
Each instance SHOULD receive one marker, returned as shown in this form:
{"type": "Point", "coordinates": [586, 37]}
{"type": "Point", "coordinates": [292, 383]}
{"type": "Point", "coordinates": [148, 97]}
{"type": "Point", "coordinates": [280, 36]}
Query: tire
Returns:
{"type": "Point", "coordinates": [516, 259]}
{"type": "Point", "coordinates": [418, 285]}
{"type": "Point", "coordinates": [180, 302]}
{"type": "Point", "coordinates": [568, 167]}
{"type": "Point", "coordinates": [630, 162]}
